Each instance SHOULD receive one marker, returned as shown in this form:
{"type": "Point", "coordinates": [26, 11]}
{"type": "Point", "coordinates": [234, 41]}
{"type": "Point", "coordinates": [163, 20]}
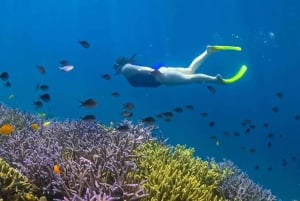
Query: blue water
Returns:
{"type": "Point", "coordinates": [172, 32]}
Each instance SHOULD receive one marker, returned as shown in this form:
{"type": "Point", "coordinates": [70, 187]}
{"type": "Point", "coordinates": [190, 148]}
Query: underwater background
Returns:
{"type": "Point", "coordinates": [173, 32]}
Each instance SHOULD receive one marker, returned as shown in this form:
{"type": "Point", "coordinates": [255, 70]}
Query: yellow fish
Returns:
{"type": "Point", "coordinates": [46, 124]}
{"type": "Point", "coordinates": [56, 169]}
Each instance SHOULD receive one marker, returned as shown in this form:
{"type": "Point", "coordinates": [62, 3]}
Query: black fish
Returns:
{"type": "Point", "coordinates": [269, 145]}
{"type": "Point", "coordinates": [148, 120]}
{"type": "Point", "coordinates": [38, 104]}
{"type": "Point", "coordinates": [159, 116]}
{"type": "Point", "coordinates": [280, 95]}
{"type": "Point", "coordinates": [84, 43]}
{"type": "Point", "coordinates": [252, 150]}
{"type": "Point", "coordinates": [128, 106]}
{"type": "Point", "coordinates": [256, 167]}
{"type": "Point", "coordinates": [7, 84]}
{"type": "Point", "coordinates": [270, 135]}
{"type": "Point", "coordinates": [123, 128]}
{"type": "Point", "coordinates": [247, 130]}
{"type": "Point", "coordinates": [42, 87]}
{"type": "Point", "coordinates": [64, 62]}
{"type": "Point", "coordinates": [190, 107]}
{"type": "Point", "coordinates": [270, 169]}
{"type": "Point", "coordinates": [106, 77]}
{"type": "Point", "coordinates": [115, 94]}
{"type": "Point", "coordinates": [89, 117]}
{"type": "Point", "coordinates": [45, 97]}
{"type": "Point", "coordinates": [266, 125]}
{"type": "Point", "coordinates": [88, 103]}
{"type": "Point", "coordinates": [127, 114]}
{"type": "Point", "coordinates": [275, 109]}
{"type": "Point", "coordinates": [204, 114]}
{"type": "Point", "coordinates": [211, 89]}
{"type": "Point", "coordinates": [4, 76]}
{"type": "Point", "coordinates": [211, 124]}
{"type": "Point", "coordinates": [297, 117]}
{"type": "Point", "coordinates": [178, 109]}
{"type": "Point", "coordinates": [41, 69]}
{"type": "Point", "coordinates": [236, 134]}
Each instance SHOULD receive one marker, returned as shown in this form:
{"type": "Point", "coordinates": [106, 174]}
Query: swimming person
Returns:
{"type": "Point", "coordinates": [144, 76]}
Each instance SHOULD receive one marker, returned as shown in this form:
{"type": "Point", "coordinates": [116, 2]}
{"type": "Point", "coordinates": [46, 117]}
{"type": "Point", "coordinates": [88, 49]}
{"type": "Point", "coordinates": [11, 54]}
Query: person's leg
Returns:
{"type": "Point", "coordinates": [196, 63]}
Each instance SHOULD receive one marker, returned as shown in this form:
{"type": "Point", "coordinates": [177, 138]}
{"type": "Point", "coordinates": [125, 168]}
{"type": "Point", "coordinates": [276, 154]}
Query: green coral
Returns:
{"type": "Point", "coordinates": [174, 174]}
{"type": "Point", "coordinates": [13, 185]}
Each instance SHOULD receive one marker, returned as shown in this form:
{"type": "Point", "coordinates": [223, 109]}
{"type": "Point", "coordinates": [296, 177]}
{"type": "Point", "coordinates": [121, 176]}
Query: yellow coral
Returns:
{"type": "Point", "coordinates": [175, 174]}
{"type": "Point", "coordinates": [14, 186]}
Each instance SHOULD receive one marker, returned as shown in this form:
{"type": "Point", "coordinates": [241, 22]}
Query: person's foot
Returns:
{"type": "Point", "coordinates": [220, 79]}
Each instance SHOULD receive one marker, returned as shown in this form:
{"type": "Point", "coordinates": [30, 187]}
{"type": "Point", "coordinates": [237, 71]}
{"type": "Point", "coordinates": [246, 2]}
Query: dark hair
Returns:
{"type": "Point", "coordinates": [122, 61]}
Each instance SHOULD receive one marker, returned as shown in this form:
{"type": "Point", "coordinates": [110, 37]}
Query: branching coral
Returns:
{"type": "Point", "coordinates": [238, 186]}
{"type": "Point", "coordinates": [174, 174]}
{"type": "Point", "coordinates": [13, 185]}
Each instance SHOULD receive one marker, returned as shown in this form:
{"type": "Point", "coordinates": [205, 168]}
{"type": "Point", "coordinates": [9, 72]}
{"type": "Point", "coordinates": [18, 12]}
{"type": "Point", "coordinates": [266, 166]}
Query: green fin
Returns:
{"type": "Point", "coordinates": [237, 76]}
{"type": "Point", "coordinates": [224, 48]}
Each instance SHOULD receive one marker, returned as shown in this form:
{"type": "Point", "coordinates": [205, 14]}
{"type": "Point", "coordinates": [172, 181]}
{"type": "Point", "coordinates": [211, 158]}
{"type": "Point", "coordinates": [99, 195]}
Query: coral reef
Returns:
{"type": "Point", "coordinates": [86, 161]}
{"type": "Point", "coordinates": [175, 174]}
{"type": "Point", "coordinates": [13, 185]}
{"type": "Point", "coordinates": [238, 186]}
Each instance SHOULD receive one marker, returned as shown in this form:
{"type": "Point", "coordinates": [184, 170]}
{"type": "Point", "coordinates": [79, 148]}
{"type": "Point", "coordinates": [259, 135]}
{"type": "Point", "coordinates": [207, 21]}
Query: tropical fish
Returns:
{"type": "Point", "coordinates": [88, 103]}
{"type": "Point", "coordinates": [11, 96]}
{"type": "Point", "coordinates": [190, 107]}
{"type": "Point", "coordinates": [42, 87]}
{"type": "Point", "coordinates": [41, 69]}
{"type": "Point", "coordinates": [106, 76]}
{"type": "Point", "coordinates": [211, 124]}
{"type": "Point", "coordinates": [115, 94]}
{"type": "Point", "coordinates": [45, 97]}
{"type": "Point", "coordinates": [89, 117]}
{"type": "Point", "coordinates": [178, 109]}
{"type": "Point", "coordinates": [127, 114]}
{"type": "Point", "coordinates": [128, 106]}
{"type": "Point", "coordinates": [34, 127]}
{"type": "Point", "coordinates": [7, 84]}
{"type": "Point", "coordinates": [211, 89]}
{"type": "Point", "coordinates": [4, 76]}
{"type": "Point", "coordinates": [46, 124]}
{"type": "Point", "coordinates": [204, 114]}
{"type": "Point", "coordinates": [84, 43]}
{"type": "Point", "coordinates": [280, 95]}
{"type": "Point", "coordinates": [123, 128]}
{"type": "Point", "coordinates": [56, 169]}
{"type": "Point", "coordinates": [6, 129]}
{"type": "Point", "coordinates": [67, 68]}
{"type": "Point", "coordinates": [148, 120]}
{"type": "Point", "coordinates": [38, 104]}
{"type": "Point", "coordinates": [275, 109]}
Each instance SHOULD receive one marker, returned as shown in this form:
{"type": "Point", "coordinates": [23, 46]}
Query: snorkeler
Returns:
{"type": "Point", "coordinates": [143, 76]}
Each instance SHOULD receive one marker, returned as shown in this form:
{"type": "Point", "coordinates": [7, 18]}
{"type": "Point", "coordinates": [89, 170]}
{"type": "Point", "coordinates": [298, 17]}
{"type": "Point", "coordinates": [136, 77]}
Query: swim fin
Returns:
{"type": "Point", "coordinates": [224, 48]}
{"type": "Point", "coordinates": [237, 76]}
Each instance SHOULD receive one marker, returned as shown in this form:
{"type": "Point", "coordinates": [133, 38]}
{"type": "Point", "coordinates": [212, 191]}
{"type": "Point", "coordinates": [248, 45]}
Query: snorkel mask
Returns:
{"type": "Point", "coordinates": [122, 61]}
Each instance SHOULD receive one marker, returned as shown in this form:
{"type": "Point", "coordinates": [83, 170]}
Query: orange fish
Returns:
{"type": "Point", "coordinates": [6, 129]}
{"type": "Point", "coordinates": [34, 127]}
{"type": "Point", "coordinates": [56, 169]}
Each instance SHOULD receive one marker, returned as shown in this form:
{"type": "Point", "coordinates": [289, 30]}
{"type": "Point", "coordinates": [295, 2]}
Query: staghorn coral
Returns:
{"type": "Point", "coordinates": [238, 186]}
{"type": "Point", "coordinates": [174, 174]}
{"type": "Point", "coordinates": [13, 185]}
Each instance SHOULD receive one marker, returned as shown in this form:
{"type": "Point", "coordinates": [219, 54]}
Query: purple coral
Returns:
{"type": "Point", "coordinates": [238, 186]}
{"type": "Point", "coordinates": [96, 162]}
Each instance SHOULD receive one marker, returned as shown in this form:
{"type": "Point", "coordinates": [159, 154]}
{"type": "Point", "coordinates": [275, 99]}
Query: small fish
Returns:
{"type": "Point", "coordinates": [284, 163]}
{"type": "Point", "coordinates": [190, 107]}
{"type": "Point", "coordinates": [211, 124]}
{"type": "Point", "coordinates": [38, 104]}
{"type": "Point", "coordinates": [127, 114]}
{"type": "Point", "coordinates": [115, 94]}
{"type": "Point", "coordinates": [64, 62]}
{"type": "Point", "coordinates": [270, 135]}
{"type": "Point", "coordinates": [128, 106]}
{"type": "Point", "coordinates": [270, 169]}
{"type": "Point", "coordinates": [252, 126]}
{"type": "Point", "coordinates": [168, 115]}
{"type": "Point", "coordinates": [42, 87]}
{"type": "Point", "coordinates": [269, 145]}
{"type": "Point", "coordinates": [123, 128]}
{"type": "Point", "coordinates": [41, 115]}
{"type": "Point", "coordinates": [297, 117]}
{"type": "Point", "coordinates": [275, 109]}
{"type": "Point", "coordinates": [236, 134]}
{"type": "Point", "coordinates": [280, 95]}
{"type": "Point", "coordinates": [266, 125]}
{"type": "Point", "coordinates": [4, 76]}
{"type": "Point", "coordinates": [7, 129]}
{"type": "Point", "coordinates": [106, 77]}
{"type": "Point", "coordinates": [204, 114]}
{"type": "Point", "coordinates": [252, 150]}
{"type": "Point", "coordinates": [178, 109]}
{"type": "Point", "coordinates": [148, 120]}
{"type": "Point", "coordinates": [46, 124]}
{"type": "Point", "coordinates": [88, 103]}
{"type": "Point", "coordinates": [89, 117]}
{"type": "Point", "coordinates": [256, 167]}
{"type": "Point", "coordinates": [66, 68]}
{"type": "Point", "coordinates": [56, 169]}
{"type": "Point", "coordinates": [84, 43]}
{"type": "Point", "coordinates": [246, 122]}
{"type": "Point", "coordinates": [159, 116]}
{"type": "Point", "coordinates": [7, 84]}
{"type": "Point", "coordinates": [41, 69]}
{"type": "Point", "coordinates": [213, 137]}
{"type": "Point", "coordinates": [45, 97]}
{"type": "Point", "coordinates": [247, 130]}
{"type": "Point", "coordinates": [211, 89]}
{"type": "Point", "coordinates": [34, 127]}
{"type": "Point", "coordinates": [243, 148]}
{"type": "Point", "coordinates": [11, 96]}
